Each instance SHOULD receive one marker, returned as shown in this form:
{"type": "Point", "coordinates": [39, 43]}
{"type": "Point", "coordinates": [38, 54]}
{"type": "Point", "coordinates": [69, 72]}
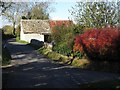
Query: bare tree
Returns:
{"type": "Point", "coordinates": [40, 10]}
{"type": "Point", "coordinates": [14, 13]}
{"type": "Point", "coordinates": [4, 6]}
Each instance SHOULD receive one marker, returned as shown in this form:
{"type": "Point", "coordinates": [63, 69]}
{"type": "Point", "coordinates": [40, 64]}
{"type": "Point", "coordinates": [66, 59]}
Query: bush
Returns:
{"type": "Point", "coordinates": [8, 30]}
{"type": "Point", "coordinates": [61, 33]}
{"type": "Point", "coordinates": [78, 48]}
{"type": "Point", "coordinates": [103, 44]}
{"type": "Point", "coordinates": [78, 54]}
{"type": "Point", "coordinates": [63, 59]}
{"type": "Point", "coordinates": [63, 37]}
{"type": "Point", "coordinates": [52, 55]}
{"type": "Point", "coordinates": [62, 48]}
{"type": "Point", "coordinates": [7, 36]}
{"type": "Point", "coordinates": [78, 29]}
{"type": "Point", "coordinates": [5, 56]}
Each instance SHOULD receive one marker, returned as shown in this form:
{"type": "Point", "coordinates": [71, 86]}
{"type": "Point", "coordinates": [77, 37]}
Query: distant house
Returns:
{"type": "Point", "coordinates": [39, 29]}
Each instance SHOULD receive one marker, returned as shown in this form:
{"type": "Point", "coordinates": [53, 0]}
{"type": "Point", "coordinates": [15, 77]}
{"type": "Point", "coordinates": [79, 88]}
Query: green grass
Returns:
{"type": "Point", "coordinates": [61, 58]}
{"type": "Point", "coordinates": [44, 50]}
{"type": "Point", "coordinates": [5, 57]}
{"type": "Point", "coordinates": [81, 63]}
{"type": "Point", "coordinates": [49, 53]}
{"type": "Point", "coordinates": [103, 84]}
{"type": "Point", "coordinates": [21, 41]}
{"type": "Point", "coordinates": [52, 55]}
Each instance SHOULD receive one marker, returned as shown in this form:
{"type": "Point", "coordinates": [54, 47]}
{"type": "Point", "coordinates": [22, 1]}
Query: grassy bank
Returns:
{"type": "Point", "coordinates": [20, 41]}
{"type": "Point", "coordinates": [63, 59]}
{"type": "Point", "coordinates": [103, 66]}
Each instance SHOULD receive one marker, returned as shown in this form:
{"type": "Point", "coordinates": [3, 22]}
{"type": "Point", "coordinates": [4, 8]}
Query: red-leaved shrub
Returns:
{"type": "Point", "coordinates": [101, 43]}
{"type": "Point", "coordinates": [77, 44]}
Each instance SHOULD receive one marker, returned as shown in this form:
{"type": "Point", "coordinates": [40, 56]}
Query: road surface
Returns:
{"type": "Point", "coordinates": [31, 70]}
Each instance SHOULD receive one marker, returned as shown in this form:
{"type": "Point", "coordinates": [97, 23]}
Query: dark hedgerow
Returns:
{"type": "Point", "coordinates": [6, 57]}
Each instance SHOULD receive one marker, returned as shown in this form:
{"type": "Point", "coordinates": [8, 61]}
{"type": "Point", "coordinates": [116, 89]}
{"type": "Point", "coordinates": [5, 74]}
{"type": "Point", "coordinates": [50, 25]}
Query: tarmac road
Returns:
{"type": "Point", "coordinates": [29, 69]}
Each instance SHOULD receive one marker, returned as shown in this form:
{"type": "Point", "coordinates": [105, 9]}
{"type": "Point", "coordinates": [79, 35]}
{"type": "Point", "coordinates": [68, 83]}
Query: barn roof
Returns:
{"type": "Point", "coordinates": [42, 26]}
{"type": "Point", "coordinates": [35, 26]}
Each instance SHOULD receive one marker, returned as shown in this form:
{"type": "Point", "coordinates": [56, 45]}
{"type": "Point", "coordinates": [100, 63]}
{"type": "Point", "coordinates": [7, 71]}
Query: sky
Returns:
{"type": "Point", "coordinates": [60, 12]}
{"type": "Point", "coordinates": [61, 9]}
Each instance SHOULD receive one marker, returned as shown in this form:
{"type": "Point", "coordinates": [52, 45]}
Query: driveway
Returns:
{"type": "Point", "coordinates": [32, 70]}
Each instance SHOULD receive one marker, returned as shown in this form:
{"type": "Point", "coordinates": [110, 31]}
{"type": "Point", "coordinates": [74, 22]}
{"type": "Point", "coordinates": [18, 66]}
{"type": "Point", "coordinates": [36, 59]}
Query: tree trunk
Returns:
{"type": "Point", "coordinates": [14, 28]}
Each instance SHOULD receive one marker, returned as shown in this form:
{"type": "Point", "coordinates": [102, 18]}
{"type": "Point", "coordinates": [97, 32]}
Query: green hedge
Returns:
{"type": "Point", "coordinates": [62, 48]}
{"type": "Point", "coordinates": [5, 56]}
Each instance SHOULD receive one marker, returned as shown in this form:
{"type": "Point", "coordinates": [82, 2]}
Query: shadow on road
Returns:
{"type": "Point", "coordinates": [43, 73]}
{"type": "Point", "coordinates": [19, 48]}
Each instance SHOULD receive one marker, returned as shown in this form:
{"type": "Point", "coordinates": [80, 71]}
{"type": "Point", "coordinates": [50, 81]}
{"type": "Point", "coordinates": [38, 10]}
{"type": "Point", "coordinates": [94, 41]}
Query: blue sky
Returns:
{"type": "Point", "coordinates": [60, 13]}
{"type": "Point", "coordinates": [61, 10]}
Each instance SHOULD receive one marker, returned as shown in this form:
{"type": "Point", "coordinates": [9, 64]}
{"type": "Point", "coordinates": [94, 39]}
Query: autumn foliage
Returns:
{"type": "Point", "coordinates": [99, 43]}
{"type": "Point", "coordinates": [54, 23]}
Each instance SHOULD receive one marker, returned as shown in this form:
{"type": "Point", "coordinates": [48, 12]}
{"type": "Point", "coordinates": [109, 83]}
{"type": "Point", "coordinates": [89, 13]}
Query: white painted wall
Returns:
{"type": "Point", "coordinates": [28, 37]}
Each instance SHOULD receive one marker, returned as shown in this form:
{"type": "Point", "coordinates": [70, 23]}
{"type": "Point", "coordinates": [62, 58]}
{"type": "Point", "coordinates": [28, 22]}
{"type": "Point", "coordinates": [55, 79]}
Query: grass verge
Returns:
{"type": "Point", "coordinates": [102, 66]}
{"type": "Point", "coordinates": [21, 41]}
{"type": "Point", "coordinates": [63, 59]}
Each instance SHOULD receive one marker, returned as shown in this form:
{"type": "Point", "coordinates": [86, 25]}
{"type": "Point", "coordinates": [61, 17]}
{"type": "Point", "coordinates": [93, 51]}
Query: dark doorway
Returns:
{"type": "Point", "coordinates": [47, 38]}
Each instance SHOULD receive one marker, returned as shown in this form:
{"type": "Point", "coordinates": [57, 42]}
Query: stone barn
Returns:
{"type": "Point", "coordinates": [34, 29]}
{"type": "Point", "coordinates": [40, 29]}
